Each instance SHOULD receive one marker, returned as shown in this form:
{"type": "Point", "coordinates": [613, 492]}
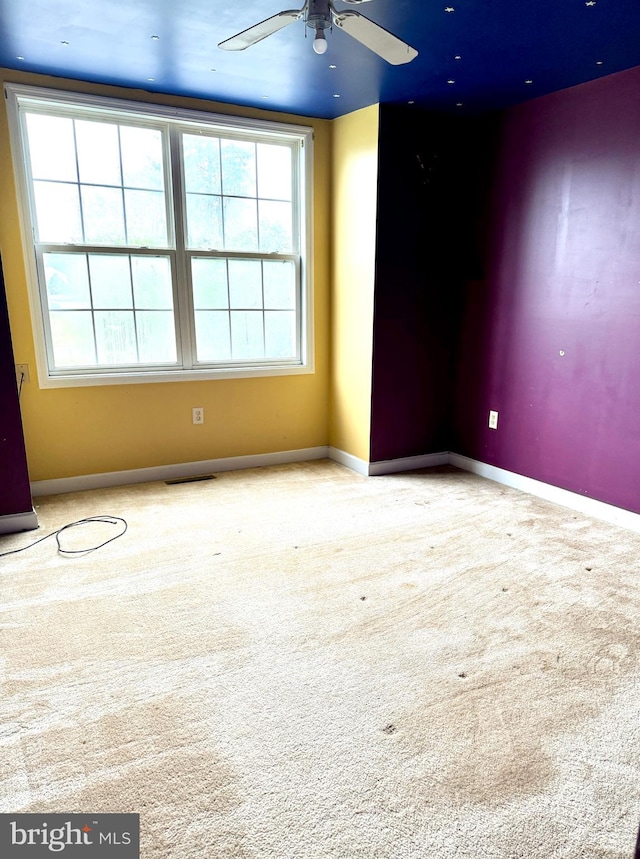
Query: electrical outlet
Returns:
{"type": "Point", "coordinates": [198, 415]}
{"type": "Point", "coordinates": [22, 374]}
{"type": "Point", "coordinates": [493, 420]}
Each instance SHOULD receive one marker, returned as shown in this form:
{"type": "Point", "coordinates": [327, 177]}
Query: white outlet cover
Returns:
{"type": "Point", "coordinates": [493, 420]}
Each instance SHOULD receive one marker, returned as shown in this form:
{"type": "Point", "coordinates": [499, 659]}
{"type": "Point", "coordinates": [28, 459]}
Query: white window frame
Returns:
{"type": "Point", "coordinates": [172, 120]}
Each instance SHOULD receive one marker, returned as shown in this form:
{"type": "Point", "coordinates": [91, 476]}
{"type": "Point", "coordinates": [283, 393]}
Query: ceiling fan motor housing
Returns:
{"type": "Point", "coordinates": [318, 15]}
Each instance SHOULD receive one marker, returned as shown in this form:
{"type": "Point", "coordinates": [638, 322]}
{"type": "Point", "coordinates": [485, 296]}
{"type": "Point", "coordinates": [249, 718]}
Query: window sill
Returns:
{"type": "Point", "coordinates": [164, 376]}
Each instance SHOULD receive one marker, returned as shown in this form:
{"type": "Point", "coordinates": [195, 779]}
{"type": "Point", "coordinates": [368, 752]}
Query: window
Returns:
{"type": "Point", "coordinates": [166, 244]}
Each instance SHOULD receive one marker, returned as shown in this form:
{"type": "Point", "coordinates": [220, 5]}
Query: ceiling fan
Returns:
{"type": "Point", "coordinates": [321, 15]}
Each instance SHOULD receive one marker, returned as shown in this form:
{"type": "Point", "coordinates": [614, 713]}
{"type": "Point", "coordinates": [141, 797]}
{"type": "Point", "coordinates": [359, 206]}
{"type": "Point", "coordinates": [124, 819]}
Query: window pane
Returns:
{"type": "Point", "coordinates": [240, 224]}
{"type": "Point", "coordinates": [146, 218]}
{"type": "Point", "coordinates": [201, 164]}
{"type": "Point", "coordinates": [72, 336]}
{"type": "Point", "coordinates": [103, 216]}
{"type": "Point", "coordinates": [156, 337]}
{"type": "Point", "coordinates": [279, 283]}
{"type": "Point", "coordinates": [116, 337]}
{"type": "Point", "coordinates": [110, 281]}
{"type": "Point", "coordinates": [274, 171]}
{"type": "Point", "coordinates": [67, 281]}
{"type": "Point", "coordinates": [142, 157]}
{"type": "Point", "coordinates": [247, 336]}
{"type": "Point", "coordinates": [204, 222]}
{"type": "Point", "coordinates": [238, 168]}
{"type": "Point", "coordinates": [280, 334]}
{"type": "Point", "coordinates": [212, 335]}
{"type": "Point", "coordinates": [98, 153]}
{"type": "Point", "coordinates": [58, 212]}
{"type": "Point", "coordinates": [152, 283]}
{"type": "Point", "coordinates": [51, 147]}
{"type": "Point", "coordinates": [245, 283]}
{"type": "Point", "coordinates": [275, 227]}
{"type": "Point", "coordinates": [209, 280]}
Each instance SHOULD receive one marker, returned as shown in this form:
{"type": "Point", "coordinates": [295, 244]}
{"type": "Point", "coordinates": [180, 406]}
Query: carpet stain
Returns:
{"type": "Point", "coordinates": [505, 723]}
{"type": "Point", "coordinates": [148, 758]}
{"type": "Point", "coordinates": [495, 755]}
{"type": "Point", "coordinates": [531, 656]}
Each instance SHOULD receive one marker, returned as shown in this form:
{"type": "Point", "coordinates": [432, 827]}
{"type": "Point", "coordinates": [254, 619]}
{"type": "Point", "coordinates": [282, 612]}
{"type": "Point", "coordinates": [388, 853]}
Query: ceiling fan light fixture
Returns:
{"type": "Point", "coordinates": [320, 42]}
{"type": "Point", "coordinates": [321, 15]}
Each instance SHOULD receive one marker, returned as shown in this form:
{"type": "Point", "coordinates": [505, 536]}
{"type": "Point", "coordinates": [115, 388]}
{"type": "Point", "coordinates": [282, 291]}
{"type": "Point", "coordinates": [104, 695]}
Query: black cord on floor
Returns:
{"type": "Point", "coordinates": [108, 520]}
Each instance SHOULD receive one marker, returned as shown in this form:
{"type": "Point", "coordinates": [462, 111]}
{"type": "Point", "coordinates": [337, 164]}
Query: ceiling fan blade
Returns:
{"type": "Point", "coordinates": [376, 38]}
{"type": "Point", "coordinates": [260, 31]}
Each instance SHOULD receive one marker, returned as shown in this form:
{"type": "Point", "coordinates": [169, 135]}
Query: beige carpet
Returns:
{"type": "Point", "coordinates": [302, 662]}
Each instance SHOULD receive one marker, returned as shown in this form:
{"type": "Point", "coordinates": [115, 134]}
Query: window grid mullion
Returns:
{"type": "Point", "coordinates": [264, 315]}
{"type": "Point", "coordinates": [255, 188]}
{"type": "Point", "coordinates": [222, 199]}
{"type": "Point", "coordinates": [79, 186]}
{"type": "Point", "coordinates": [134, 309]}
{"type": "Point", "coordinates": [183, 297]}
{"type": "Point", "coordinates": [229, 308]}
{"type": "Point", "coordinates": [122, 193]}
{"type": "Point", "coordinates": [91, 306]}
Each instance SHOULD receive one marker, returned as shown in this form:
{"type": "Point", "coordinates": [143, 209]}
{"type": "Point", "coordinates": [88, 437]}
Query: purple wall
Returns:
{"type": "Point", "coordinates": [15, 491]}
{"type": "Point", "coordinates": [551, 334]}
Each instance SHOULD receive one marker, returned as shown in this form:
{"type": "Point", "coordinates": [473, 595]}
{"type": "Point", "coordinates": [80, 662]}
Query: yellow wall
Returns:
{"type": "Point", "coordinates": [88, 430]}
{"type": "Point", "coordinates": [354, 189]}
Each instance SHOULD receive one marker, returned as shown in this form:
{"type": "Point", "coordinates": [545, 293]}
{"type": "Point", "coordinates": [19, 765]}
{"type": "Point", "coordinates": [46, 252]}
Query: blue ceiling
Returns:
{"type": "Point", "coordinates": [474, 55]}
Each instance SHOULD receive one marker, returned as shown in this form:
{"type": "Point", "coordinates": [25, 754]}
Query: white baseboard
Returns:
{"type": "Point", "coordinates": [169, 472]}
{"type": "Point", "coordinates": [361, 466]}
{"type": "Point", "coordinates": [387, 466]}
{"type": "Point", "coordinates": [11, 523]}
{"type": "Point", "coordinates": [587, 506]}
{"type": "Point", "coordinates": [408, 463]}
